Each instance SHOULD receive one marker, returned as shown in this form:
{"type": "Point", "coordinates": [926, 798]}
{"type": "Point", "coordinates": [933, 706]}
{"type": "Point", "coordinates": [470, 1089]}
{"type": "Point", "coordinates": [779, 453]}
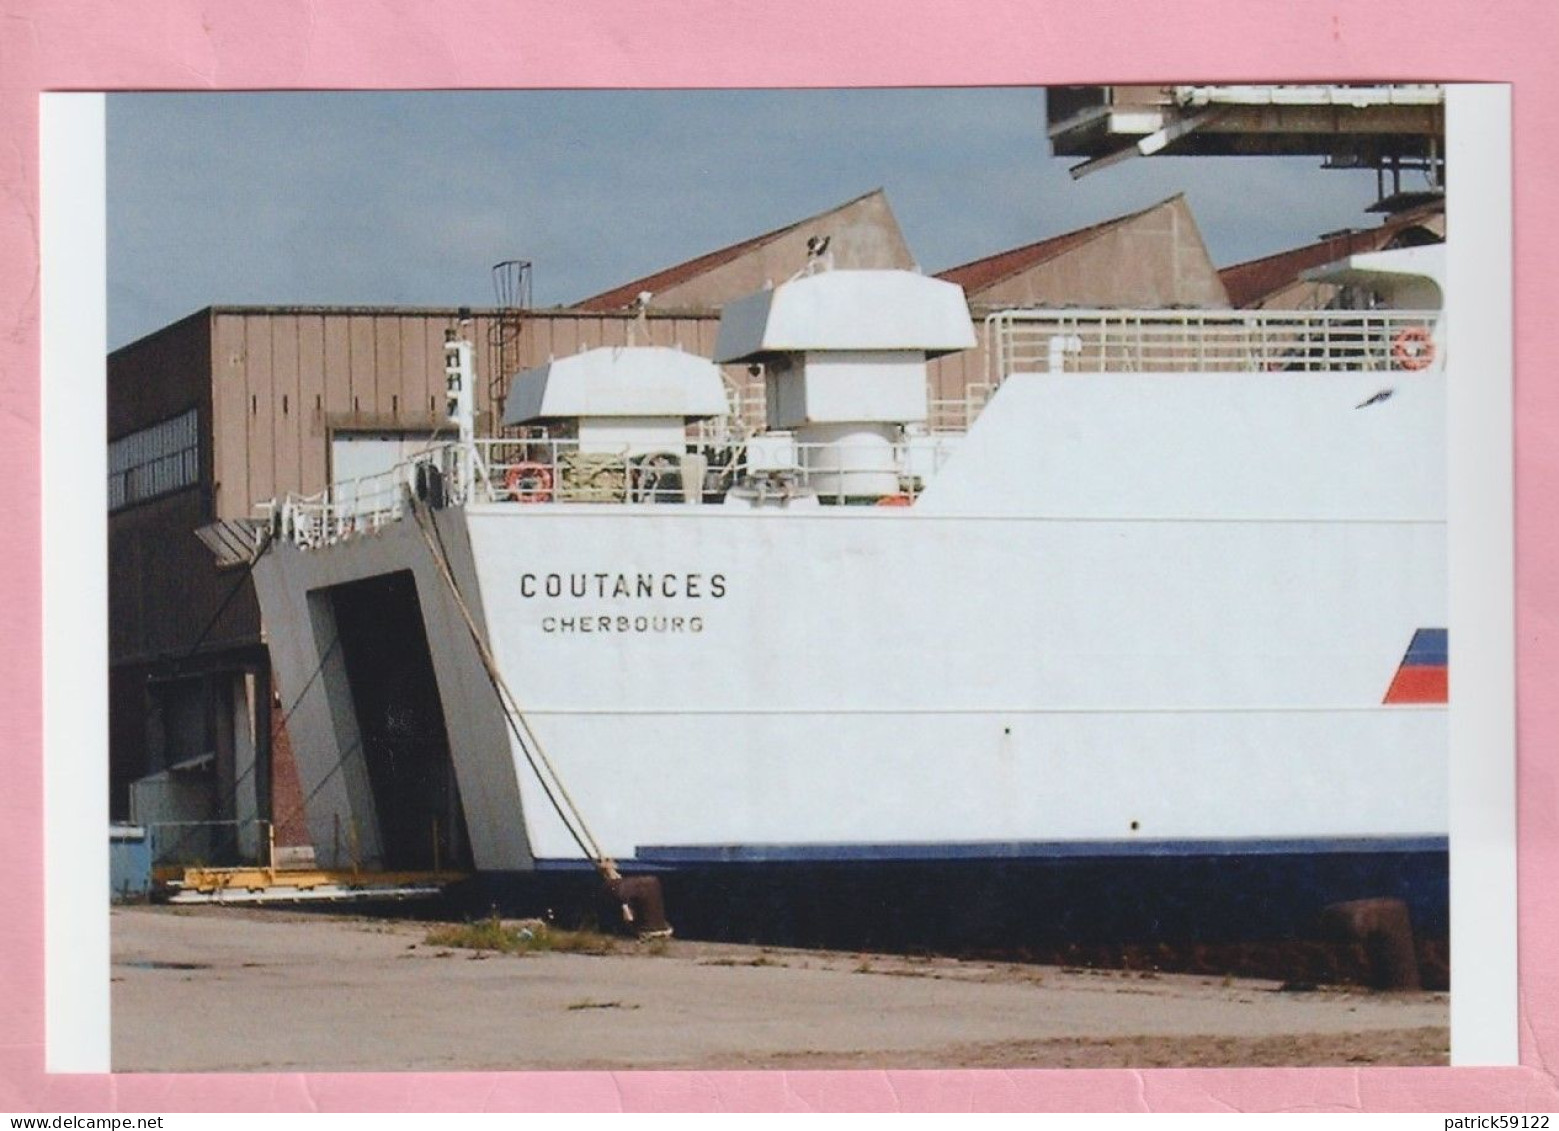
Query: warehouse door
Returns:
{"type": "Point", "coordinates": [360, 463]}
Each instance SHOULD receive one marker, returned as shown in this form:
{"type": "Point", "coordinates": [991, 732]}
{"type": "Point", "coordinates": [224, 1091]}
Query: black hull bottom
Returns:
{"type": "Point", "coordinates": [1254, 915]}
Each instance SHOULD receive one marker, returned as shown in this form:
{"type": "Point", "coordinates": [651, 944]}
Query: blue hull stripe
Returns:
{"type": "Point", "coordinates": [664, 856]}
{"type": "Point", "coordinates": [1428, 648]}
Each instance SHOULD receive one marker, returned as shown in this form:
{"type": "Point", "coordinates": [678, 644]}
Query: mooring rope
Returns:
{"type": "Point", "coordinates": [530, 745]}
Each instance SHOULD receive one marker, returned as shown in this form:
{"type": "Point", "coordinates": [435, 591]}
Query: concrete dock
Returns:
{"type": "Point", "coordinates": [216, 989]}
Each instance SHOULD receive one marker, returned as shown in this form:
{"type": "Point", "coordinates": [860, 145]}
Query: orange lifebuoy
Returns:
{"type": "Point", "coordinates": [529, 482]}
{"type": "Point", "coordinates": [895, 501]}
{"type": "Point", "coordinates": [1413, 348]}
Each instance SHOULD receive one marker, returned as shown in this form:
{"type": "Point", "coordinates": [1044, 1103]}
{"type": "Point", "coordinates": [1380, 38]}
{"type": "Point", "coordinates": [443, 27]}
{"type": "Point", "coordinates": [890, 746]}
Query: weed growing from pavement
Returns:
{"type": "Point", "coordinates": [761, 960]}
{"type": "Point", "coordinates": [520, 938]}
{"type": "Point", "coordinates": [576, 1006]}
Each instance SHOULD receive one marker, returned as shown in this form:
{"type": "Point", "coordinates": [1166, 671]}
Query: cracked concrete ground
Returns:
{"type": "Point", "coordinates": [215, 989]}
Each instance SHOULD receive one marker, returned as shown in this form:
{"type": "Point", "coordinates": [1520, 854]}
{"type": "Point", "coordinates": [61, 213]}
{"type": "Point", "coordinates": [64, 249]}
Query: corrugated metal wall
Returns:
{"type": "Point", "coordinates": [163, 586]}
{"type": "Point", "coordinates": [160, 376]}
{"type": "Point", "coordinates": [284, 380]}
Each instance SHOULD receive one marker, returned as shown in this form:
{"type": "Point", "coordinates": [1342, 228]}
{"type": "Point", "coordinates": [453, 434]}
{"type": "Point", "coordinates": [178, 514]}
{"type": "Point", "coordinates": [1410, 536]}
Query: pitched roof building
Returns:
{"type": "Point", "coordinates": [862, 233]}
{"type": "Point", "coordinates": [1274, 281]}
{"type": "Point", "coordinates": [1151, 258]}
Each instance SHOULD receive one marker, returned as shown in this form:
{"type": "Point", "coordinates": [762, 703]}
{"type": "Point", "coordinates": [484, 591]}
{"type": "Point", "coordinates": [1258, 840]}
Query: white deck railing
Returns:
{"type": "Point", "coordinates": [528, 472]}
{"type": "Point", "coordinates": [547, 471]}
{"type": "Point", "coordinates": [1119, 341]}
{"type": "Point", "coordinates": [355, 506]}
{"type": "Point", "coordinates": [949, 416]}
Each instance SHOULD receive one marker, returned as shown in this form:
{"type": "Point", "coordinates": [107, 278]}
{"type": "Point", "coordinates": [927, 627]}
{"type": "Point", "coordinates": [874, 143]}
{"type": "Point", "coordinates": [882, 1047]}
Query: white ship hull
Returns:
{"type": "Point", "coordinates": [1133, 615]}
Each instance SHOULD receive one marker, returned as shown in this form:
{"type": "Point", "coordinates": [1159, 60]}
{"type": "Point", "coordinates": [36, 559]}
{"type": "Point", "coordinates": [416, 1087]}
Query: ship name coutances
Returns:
{"type": "Point", "coordinates": [617, 587]}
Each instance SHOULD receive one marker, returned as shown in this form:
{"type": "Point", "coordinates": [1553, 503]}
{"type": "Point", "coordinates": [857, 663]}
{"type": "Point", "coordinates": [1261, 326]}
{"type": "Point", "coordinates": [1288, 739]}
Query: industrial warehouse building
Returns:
{"type": "Point", "coordinates": [233, 406]}
{"type": "Point", "coordinates": [236, 405]}
{"type": "Point", "coordinates": [220, 411]}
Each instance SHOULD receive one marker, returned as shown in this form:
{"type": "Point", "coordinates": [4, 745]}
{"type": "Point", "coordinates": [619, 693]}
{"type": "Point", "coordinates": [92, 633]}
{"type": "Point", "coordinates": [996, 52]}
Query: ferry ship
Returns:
{"type": "Point", "coordinates": [1155, 649]}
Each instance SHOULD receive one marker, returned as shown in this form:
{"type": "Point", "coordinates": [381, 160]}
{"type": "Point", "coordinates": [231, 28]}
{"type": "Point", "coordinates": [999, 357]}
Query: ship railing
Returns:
{"type": "Point", "coordinates": [533, 471]}
{"type": "Point", "coordinates": [548, 470]}
{"type": "Point", "coordinates": [747, 415]}
{"type": "Point", "coordinates": [956, 415]}
{"type": "Point", "coordinates": [1216, 341]}
{"type": "Point", "coordinates": [443, 474]}
{"type": "Point", "coordinates": [340, 511]}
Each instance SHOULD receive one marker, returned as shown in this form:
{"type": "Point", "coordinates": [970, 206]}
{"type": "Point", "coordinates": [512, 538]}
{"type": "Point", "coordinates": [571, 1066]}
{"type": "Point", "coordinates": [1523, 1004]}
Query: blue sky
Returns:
{"type": "Point", "coordinates": [409, 198]}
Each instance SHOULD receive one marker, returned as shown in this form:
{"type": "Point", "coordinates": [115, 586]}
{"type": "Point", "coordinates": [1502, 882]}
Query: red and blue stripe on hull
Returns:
{"type": "Point", "coordinates": [1423, 676]}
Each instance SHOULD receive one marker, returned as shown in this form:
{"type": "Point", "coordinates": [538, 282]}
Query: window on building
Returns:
{"type": "Point", "coordinates": [153, 461]}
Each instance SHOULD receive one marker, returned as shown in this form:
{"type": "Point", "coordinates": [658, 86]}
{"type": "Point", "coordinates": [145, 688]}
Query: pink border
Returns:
{"type": "Point", "coordinates": [204, 44]}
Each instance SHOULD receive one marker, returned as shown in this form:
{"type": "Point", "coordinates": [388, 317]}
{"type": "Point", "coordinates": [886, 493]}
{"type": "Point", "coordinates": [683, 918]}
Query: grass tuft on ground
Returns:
{"type": "Point", "coordinates": [519, 938]}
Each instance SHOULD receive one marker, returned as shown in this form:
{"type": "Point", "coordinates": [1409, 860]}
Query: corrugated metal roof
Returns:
{"type": "Point", "coordinates": [449, 313]}
{"type": "Point", "coordinates": [983, 273]}
{"type": "Point", "coordinates": [627, 294]}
